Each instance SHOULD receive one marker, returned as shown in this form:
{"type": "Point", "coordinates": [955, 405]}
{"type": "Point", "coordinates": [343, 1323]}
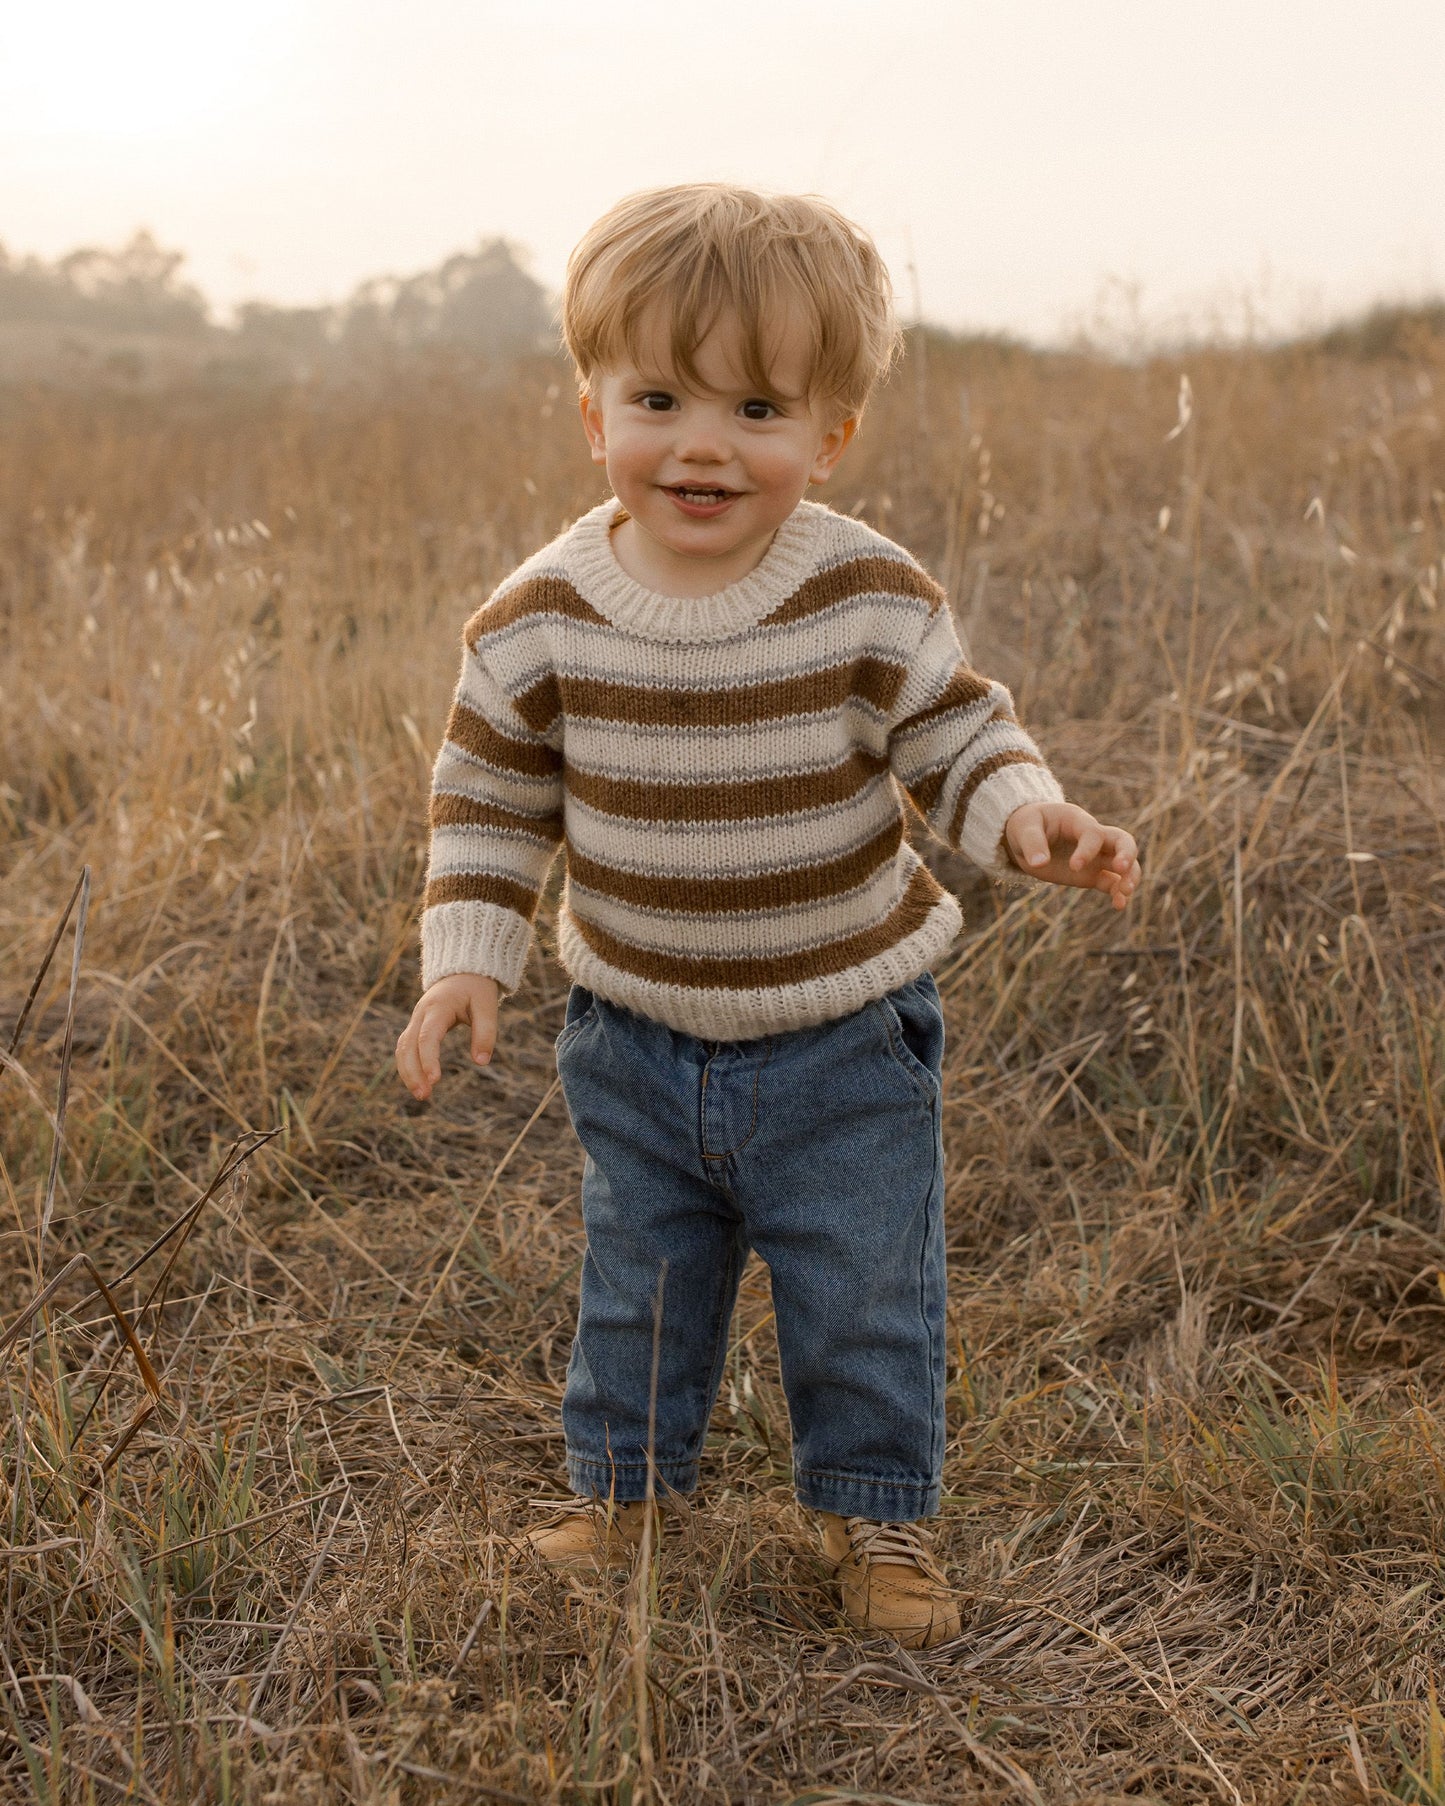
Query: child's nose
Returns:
{"type": "Point", "coordinates": [702, 440]}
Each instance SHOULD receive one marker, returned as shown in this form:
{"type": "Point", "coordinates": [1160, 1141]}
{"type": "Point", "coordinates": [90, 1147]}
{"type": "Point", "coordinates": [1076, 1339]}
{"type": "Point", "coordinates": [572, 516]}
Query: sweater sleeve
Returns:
{"type": "Point", "coordinates": [956, 746]}
{"type": "Point", "coordinates": [496, 823]}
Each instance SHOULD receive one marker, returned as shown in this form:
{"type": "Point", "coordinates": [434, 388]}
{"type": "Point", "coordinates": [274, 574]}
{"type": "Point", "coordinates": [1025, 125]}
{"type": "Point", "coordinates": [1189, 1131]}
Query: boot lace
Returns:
{"type": "Point", "coordinates": [894, 1545]}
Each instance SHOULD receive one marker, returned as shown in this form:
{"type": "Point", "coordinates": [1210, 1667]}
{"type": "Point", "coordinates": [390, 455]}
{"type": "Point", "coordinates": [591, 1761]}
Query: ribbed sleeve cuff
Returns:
{"type": "Point", "coordinates": [990, 807]}
{"type": "Point", "coordinates": [474, 937]}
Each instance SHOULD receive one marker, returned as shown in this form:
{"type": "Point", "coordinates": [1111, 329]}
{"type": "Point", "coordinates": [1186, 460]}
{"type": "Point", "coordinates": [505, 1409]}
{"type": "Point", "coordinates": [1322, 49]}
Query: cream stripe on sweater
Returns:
{"type": "Point", "coordinates": [724, 773]}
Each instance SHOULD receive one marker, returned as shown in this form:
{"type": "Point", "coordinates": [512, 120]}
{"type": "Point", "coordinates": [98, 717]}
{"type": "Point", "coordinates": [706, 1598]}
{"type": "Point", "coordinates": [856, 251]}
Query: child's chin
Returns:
{"type": "Point", "coordinates": [717, 532]}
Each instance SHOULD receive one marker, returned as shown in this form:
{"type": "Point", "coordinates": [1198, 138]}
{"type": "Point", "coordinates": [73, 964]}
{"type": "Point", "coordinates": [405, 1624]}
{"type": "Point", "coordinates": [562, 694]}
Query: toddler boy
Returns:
{"type": "Point", "coordinates": [710, 690]}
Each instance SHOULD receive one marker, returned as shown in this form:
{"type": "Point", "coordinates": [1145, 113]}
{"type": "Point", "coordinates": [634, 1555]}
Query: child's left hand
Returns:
{"type": "Point", "coordinates": [1063, 844]}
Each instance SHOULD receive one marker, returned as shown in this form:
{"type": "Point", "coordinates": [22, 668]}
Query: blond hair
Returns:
{"type": "Point", "coordinates": [704, 249]}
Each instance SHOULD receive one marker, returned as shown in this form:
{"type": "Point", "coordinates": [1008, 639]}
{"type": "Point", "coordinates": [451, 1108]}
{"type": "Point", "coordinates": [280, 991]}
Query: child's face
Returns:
{"type": "Point", "coordinates": [707, 476]}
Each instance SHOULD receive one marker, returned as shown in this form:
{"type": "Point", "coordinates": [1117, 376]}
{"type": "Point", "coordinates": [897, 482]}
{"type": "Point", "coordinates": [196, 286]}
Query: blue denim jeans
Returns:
{"type": "Point", "coordinates": [821, 1149]}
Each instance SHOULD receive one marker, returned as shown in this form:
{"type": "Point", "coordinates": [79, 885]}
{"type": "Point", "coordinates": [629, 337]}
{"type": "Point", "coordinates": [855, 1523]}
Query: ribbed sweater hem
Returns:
{"type": "Point", "coordinates": [719, 1015]}
{"type": "Point", "coordinates": [993, 803]}
{"type": "Point", "coordinates": [481, 938]}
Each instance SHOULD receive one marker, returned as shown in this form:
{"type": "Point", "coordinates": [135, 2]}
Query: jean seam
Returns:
{"type": "Point", "coordinates": [757, 1079]}
{"type": "Point", "coordinates": [904, 1058]}
{"type": "Point", "coordinates": [752, 1126]}
{"type": "Point", "coordinates": [897, 1481]}
{"type": "Point", "coordinates": [934, 1203]}
{"type": "Point", "coordinates": [626, 1467]}
{"type": "Point", "coordinates": [571, 1030]}
{"type": "Point", "coordinates": [719, 1348]}
{"type": "Point", "coordinates": [702, 1114]}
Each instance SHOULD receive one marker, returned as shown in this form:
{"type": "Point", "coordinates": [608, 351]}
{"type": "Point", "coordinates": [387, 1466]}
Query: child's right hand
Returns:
{"type": "Point", "coordinates": [463, 997]}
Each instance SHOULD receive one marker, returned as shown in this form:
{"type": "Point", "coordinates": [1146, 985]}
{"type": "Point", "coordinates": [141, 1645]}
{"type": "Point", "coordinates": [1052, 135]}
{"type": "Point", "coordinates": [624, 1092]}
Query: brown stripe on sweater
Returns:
{"type": "Point", "coordinates": [858, 576]}
{"type": "Point", "coordinates": [980, 773]}
{"type": "Point", "coordinates": [476, 735]}
{"type": "Point", "coordinates": [537, 596]}
{"type": "Point", "coordinates": [925, 792]}
{"type": "Point", "coordinates": [482, 887]}
{"type": "Point", "coordinates": [871, 680]}
{"type": "Point", "coordinates": [962, 690]}
{"type": "Point", "coordinates": [721, 896]}
{"type": "Point", "coordinates": [907, 915]}
{"type": "Point", "coordinates": [788, 793]}
{"type": "Point", "coordinates": [540, 706]}
{"type": "Point", "coordinates": [451, 811]}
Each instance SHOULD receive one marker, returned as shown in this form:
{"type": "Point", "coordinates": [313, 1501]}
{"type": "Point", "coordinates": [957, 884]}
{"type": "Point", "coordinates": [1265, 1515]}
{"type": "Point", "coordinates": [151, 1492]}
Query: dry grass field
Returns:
{"type": "Point", "coordinates": [261, 1501]}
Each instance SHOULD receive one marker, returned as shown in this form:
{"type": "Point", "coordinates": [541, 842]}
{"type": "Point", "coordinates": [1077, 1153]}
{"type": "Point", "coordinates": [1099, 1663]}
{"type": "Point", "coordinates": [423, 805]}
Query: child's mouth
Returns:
{"type": "Point", "coordinates": [701, 500]}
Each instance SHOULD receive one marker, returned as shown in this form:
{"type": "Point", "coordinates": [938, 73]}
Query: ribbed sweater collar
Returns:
{"type": "Point", "coordinates": [592, 566]}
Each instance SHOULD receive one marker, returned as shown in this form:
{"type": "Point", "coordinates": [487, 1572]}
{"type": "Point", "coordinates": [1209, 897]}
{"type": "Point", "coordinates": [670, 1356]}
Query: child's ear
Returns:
{"type": "Point", "coordinates": [835, 442]}
{"type": "Point", "coordinates": [593, 426]}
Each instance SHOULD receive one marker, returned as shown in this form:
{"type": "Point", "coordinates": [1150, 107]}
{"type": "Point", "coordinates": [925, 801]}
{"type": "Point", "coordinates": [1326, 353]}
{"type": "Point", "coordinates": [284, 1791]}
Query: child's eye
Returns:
{"type": "Point", "coordinates": [657, 401]}
{"type": "Point", "coordinates": [757, 409]}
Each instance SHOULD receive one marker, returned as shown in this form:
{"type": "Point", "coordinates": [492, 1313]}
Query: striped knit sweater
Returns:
{"type": "Point", "coordinates": [724, 773]}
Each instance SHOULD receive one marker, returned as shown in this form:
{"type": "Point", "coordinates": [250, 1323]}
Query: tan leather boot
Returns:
{"type": "Point", "coordinates": [891, 1581]}
{"type": "Point", "coordinates": [590, 1533]}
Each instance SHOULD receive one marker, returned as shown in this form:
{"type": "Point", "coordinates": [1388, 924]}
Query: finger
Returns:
{"type": "Point", "coordinates": [1125, 851]}
{"type": "Point", "coordinates": [1031, 845]}
{"type": "Point", "coordinates": [1087, 850]}
{"type": "Point", "coordinates": [406, 1060]}
{"type": "Point", "coordinates": [484, 1039]}
{"type": "Point", "coordinates": [1124, 887]}
{"type": "Point", "coordinates": [418, 1083]}
{"type": "Point", "coordinates": [434, 1026]}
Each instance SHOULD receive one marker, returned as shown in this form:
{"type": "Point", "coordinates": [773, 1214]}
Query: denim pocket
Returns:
{"type": "Point", "coordinates": [581, 1008]}
{"type": "Point", "coordinates": [915, 1031]}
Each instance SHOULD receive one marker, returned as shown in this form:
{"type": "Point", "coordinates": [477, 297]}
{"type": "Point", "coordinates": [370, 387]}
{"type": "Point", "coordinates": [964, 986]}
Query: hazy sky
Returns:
{"type": "Point", "coordinates": [1022, 156]}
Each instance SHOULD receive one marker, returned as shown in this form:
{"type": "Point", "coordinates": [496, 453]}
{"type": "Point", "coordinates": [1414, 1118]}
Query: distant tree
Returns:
{"type": "Point", "coordinates": [1386, 331]}
{"type": "Point", "coordinates": [482, 302]}
{"type": "Point", "coordinates": [481, 306]}
{"type": "Point", "coordinates": [134, 289]}
{"type": "Point", "coordinates": [303, 330]}
{"type": "Point", "coordinates": [30, 289]}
